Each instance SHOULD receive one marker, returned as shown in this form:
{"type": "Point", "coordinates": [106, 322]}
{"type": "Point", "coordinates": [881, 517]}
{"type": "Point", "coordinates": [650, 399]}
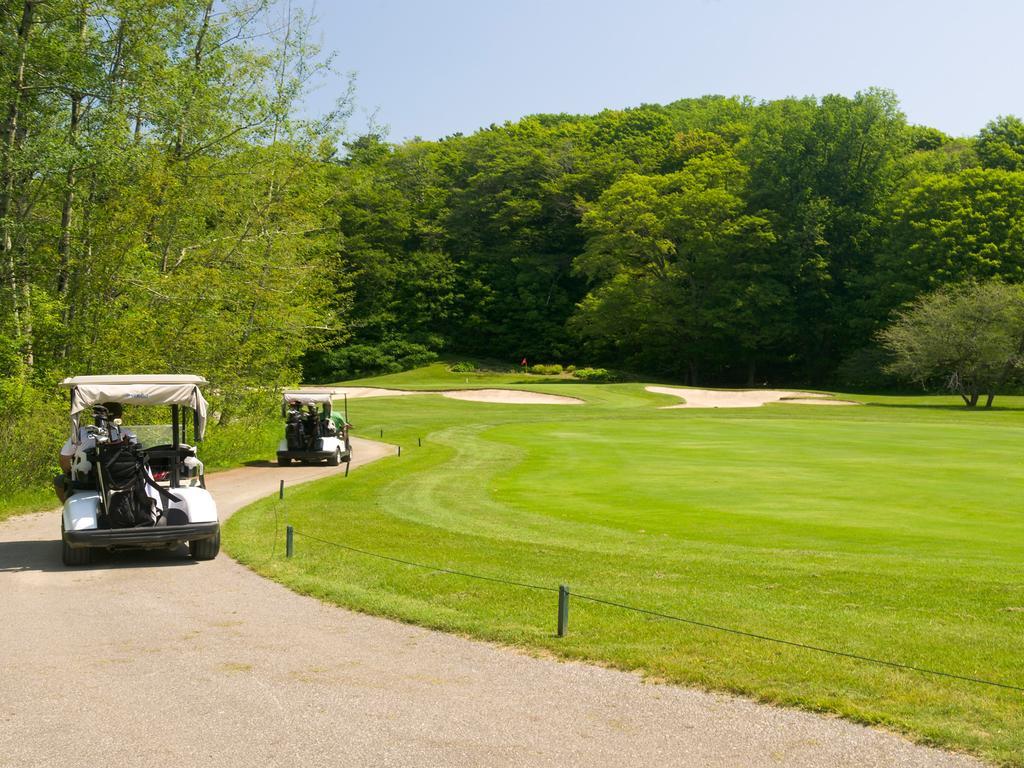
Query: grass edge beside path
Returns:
{"type": "Point", "coordinates": [27, 502]}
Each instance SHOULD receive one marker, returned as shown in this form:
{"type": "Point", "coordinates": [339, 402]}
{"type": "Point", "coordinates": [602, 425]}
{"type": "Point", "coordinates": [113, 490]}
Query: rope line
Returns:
{"type": "Point", "coordinates": [427, 567]}
{"type": "Point", "coordinates": [670, 617]}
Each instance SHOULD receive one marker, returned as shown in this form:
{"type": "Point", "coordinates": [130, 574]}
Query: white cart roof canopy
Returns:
{"type": "Point", "coordinates": [146, 389]}
{"type": "Point", "coordinates": [307, 397]}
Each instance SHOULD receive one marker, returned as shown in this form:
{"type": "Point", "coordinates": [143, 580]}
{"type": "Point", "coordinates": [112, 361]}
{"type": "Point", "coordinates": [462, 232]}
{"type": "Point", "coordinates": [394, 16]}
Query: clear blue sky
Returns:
{"type": "Point", "coordinates": [438, 67]}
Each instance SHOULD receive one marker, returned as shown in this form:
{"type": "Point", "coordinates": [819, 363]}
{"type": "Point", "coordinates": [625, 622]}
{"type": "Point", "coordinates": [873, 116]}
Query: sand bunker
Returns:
{"type": "Point", "coordinates": [504, 396]}
{"type": "Point", "coordinates": [359, 392]}
{"type": "Point", "coordinates": [743, 398]}
{"type": "Point", "coordinates": [510, 396]}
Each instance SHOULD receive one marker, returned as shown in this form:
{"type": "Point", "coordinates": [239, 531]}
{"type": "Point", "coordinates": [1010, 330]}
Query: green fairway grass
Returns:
{"type": "Point", "coordinates": [893, 530]}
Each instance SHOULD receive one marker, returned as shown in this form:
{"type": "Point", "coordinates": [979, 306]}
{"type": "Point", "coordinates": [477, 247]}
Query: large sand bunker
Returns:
{"type": "Point", "coordinates": [743, 398]}
{"type": "Point", "coordinates": [505, 396]}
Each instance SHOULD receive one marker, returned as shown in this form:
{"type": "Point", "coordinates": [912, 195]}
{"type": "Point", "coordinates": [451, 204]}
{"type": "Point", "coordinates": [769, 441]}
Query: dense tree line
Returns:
{"type": "Point", "coordinates": [710, 240]}
{"type": "Point", "coordinates": [160, 205]}
{"type": "Point", "coordinates": [162, 208]}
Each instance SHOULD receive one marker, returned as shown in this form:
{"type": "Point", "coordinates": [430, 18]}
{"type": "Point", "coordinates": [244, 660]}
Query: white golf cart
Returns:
{"type": "Point", "coordinates": [137, 491]}
{"type": "Point", "coordinates": [313, 432]}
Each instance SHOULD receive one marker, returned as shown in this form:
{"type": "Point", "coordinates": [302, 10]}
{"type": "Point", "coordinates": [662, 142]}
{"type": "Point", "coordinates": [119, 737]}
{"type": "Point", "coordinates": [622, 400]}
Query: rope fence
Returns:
{"type": "Point", "coordinates": [563, 613]}
{"type": "Point", "coordinates": [434, 568]}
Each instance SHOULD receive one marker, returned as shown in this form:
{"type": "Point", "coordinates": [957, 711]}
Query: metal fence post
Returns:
{"type": "Point", "coordinates": [289, 541]}
{"type": "Point", "coordinates": [563, 610]}
{"type": "Point", "coordinates": [280, 492]}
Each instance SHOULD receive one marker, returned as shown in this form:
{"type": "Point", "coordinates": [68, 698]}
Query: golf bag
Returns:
{"type": "Point", "coordinates": [295, 430]}
{"type": "Point", "coordinates": [124, 474]}
{"type": "Point", "coordinates": [302, 429]}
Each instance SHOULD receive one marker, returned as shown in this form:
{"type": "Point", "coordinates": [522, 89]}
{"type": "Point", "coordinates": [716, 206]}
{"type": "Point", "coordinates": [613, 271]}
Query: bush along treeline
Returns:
{"type": "Point", "coordinates": [162, 208]}
{"type": "Point", "coordinates": [711, 240]}
{"type": "Point", "coordinates": [568, 372]}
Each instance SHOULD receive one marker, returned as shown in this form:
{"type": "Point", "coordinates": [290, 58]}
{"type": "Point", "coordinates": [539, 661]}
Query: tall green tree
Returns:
{"type": "Point", "coordinates": [681, 271]}
{"type": "Point", "coordinates": [823, 172]}
{"type": "Point", "coordinates": [390, 265]}
{"type": "Point", "coordinates": [1001, 143]}
{"type": "Point", "coordinates": [947, 228]}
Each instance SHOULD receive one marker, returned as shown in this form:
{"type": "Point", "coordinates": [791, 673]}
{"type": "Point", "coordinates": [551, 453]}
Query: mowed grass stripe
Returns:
{"type": "Point", "coordinates": [763, 480]}
{"type": "Point", "coordinates": [892, 532]}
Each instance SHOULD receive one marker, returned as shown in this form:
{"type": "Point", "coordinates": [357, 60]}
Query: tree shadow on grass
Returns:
{"type": "Point", "coordinates": [952, 407]}
{"type": "Point", "coordinates": [45, 556]}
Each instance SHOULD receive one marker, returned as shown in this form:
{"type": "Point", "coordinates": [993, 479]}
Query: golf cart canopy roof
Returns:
{"type": "Point", "coordinates": [306, 397]}
{"type": "Point", "coordinates": [163, 389]}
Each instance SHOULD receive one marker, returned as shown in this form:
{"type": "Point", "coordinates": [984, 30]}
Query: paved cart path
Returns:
{"type": "Point", "coordinates": [153, 660]}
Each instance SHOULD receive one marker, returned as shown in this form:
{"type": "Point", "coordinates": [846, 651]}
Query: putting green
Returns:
{"type": "Point", "coordinates": [891, 530]}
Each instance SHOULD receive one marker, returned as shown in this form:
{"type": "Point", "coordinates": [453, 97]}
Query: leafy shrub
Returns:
{"type": "Point", "coordinates": [546, 370]}
{"type": "Point", "coordinates": [570, 369]}
{"type": "Point", "coordinates": [463, 367]}
{"type": "Point", "coordinates": [594, 375]}
{"type": "Point", "coordinates": [33, 425]}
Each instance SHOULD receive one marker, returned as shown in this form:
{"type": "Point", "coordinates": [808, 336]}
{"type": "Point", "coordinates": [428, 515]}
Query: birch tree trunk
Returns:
{"type": "Point", "coordinates": [7, 154]}
{"type": "Point", "coordinates": [70, 180]}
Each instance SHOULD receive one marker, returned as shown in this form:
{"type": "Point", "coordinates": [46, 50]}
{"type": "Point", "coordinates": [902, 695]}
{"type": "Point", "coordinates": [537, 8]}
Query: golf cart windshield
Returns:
{"type": "Point", "coordinates": [149, 435]}
{"type": "Point", "coordinates": [173, 390]}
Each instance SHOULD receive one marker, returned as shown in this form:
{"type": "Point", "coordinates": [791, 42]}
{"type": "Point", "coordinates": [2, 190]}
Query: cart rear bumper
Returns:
{"type": "Point", "coordinates": [141, 537]}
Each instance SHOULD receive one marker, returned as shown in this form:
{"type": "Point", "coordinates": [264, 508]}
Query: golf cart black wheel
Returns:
{"type": "Point", "coordinates": [75, 555]}
{"type": "Point", "coordinates": [335, 459]}
{"type": "Point", "coordinates": [205, 549]}
{"type": "Point", "coordinates": [284, 461]}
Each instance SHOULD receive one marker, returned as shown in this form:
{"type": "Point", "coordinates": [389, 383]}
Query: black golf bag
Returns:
{"type": "Point", "coordinates": [302, 429]}
{"type": "Point", "coordinates": [124, 474]}
{"type": "Point", "coordinates": [295, 432]}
